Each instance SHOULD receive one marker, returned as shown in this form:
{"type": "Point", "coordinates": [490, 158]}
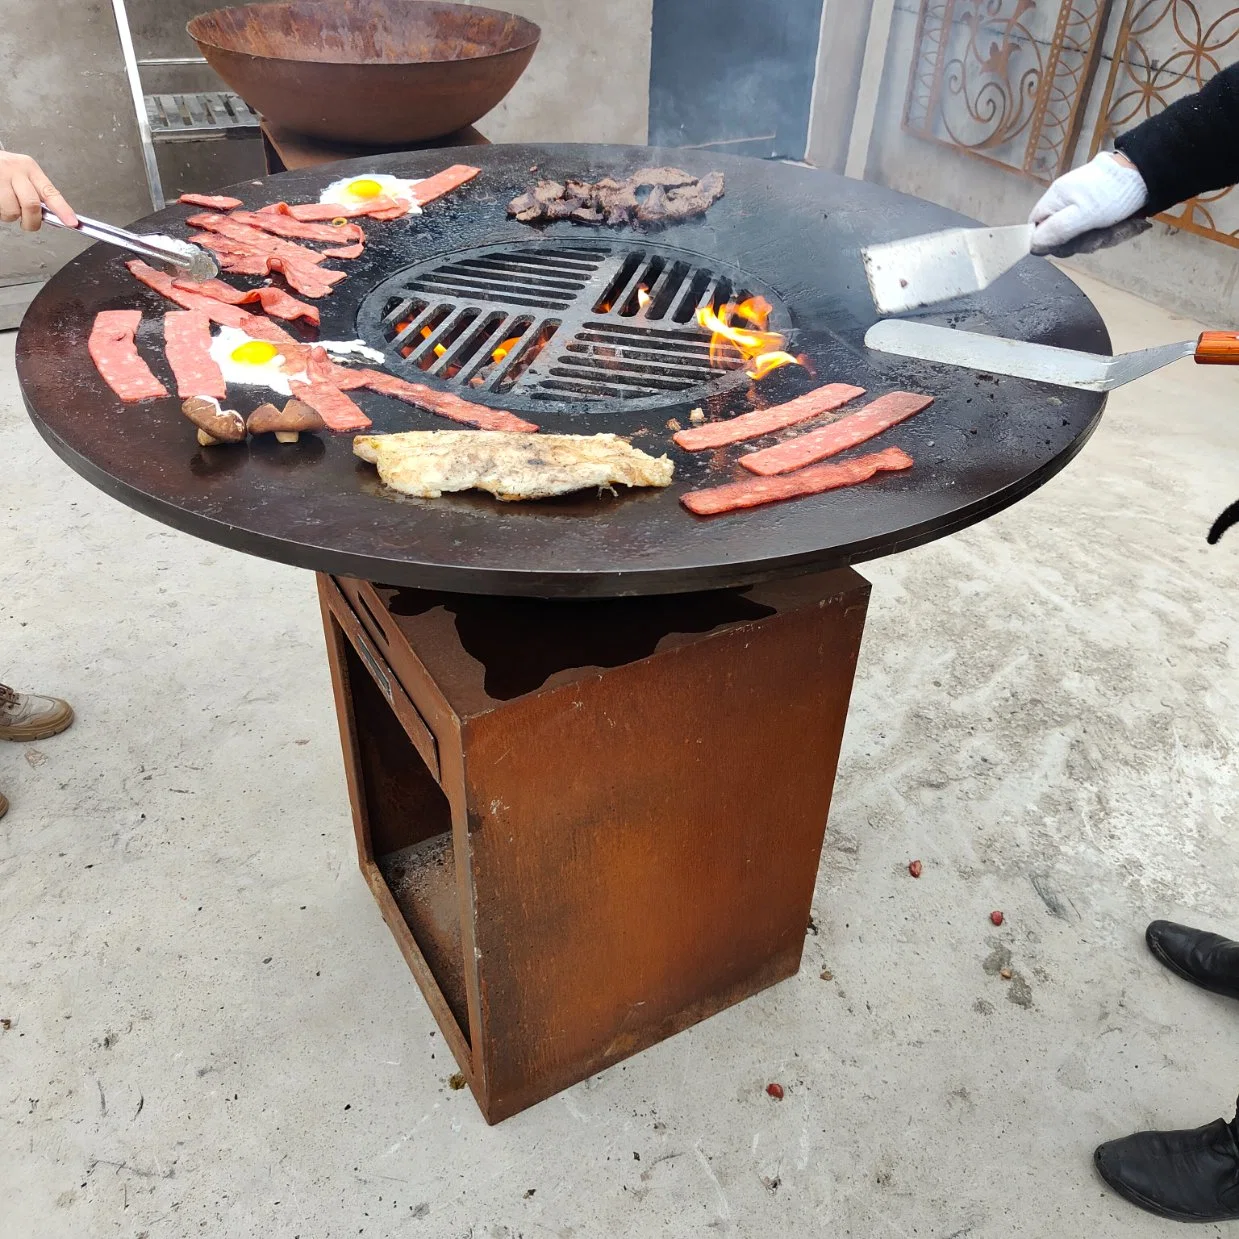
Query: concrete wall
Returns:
{"type": "Point", "coordinates": [841, 55]}
{"type": "Point", "coordinates": [65, 100]}
{"type": "Point", "coordinates": [589, 80]}
{"type": "Point", "coordinates": [1183, 272]}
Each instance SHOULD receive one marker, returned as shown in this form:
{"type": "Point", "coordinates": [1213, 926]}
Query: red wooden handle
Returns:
{"type": "Point", "coordinates": [1218, 348]}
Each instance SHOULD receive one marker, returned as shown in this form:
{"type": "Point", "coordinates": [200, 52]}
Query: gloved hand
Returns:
{"type": "Point", "coordinates": [1098, 195]}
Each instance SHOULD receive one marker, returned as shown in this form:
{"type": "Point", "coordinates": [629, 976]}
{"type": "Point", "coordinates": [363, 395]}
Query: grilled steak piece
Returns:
{"type": "Point", "coordinates": [652, 196]}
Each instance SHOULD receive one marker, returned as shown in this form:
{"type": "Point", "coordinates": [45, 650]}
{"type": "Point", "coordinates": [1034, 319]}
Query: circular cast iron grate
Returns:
{"type": "Point", "coordinates": [583, 326]}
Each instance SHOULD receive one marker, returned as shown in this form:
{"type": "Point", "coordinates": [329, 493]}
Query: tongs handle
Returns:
{"type": "Point", "coordinates": [191, 259]}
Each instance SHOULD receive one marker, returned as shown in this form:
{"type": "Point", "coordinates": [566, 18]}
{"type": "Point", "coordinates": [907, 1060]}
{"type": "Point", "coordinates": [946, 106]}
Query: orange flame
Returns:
{"type": "Point", "coordinates": [504, 349]}
{"type": "Point", "coordinates": [762, 349]}
{"type": "Point", "coordinates": [643, 296]}
{"type": "Point", "coordinates": [439, 348]}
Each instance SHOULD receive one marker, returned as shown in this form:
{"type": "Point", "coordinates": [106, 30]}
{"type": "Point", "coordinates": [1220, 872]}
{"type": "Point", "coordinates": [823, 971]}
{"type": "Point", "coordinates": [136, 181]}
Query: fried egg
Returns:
{"type": "Point", "coordinates": [360, 191]}
{"type": "Point", "coordinates": [250, 362]}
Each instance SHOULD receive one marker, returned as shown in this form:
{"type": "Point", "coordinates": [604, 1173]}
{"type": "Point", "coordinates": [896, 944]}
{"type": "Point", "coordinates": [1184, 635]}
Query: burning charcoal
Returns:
{"type": "Point", "coordinates": [654, 209]}
{"type": "Point", "coordinates": [666, 178]}
{"type": "Point", "coordinates": [547, 192]}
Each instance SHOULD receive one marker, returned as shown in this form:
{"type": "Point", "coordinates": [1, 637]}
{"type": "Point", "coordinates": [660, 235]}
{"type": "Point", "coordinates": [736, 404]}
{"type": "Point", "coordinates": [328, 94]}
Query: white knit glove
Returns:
{"type": "Point", "coordinates": [1098, 195]}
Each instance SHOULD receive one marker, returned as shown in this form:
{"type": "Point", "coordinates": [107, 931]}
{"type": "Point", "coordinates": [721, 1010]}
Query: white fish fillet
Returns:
{"type": "Point", "coordinates": [426, 463]}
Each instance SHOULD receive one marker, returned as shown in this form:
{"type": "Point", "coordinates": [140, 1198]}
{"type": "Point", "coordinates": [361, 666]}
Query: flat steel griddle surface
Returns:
{"type": "Point", "coordinates": [985, 443]}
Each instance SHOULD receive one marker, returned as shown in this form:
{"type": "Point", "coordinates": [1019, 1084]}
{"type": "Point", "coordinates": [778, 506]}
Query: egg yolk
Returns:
{"type": "Point", "coordinates": [254, 353]}
{"type": "Point", "coordinates": [364, 188]}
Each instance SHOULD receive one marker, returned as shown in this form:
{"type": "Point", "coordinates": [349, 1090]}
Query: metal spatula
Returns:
{"type": "Point", "coordinates": [904, 275]}
{"type": "Point", "coordinates": [192, 260]}
{"type": "Point", "coordinates": [1042, 362]}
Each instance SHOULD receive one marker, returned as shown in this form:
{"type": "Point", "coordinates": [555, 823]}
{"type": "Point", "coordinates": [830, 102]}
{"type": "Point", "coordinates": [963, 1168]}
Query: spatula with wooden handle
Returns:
{"type": "Point", "coordinates": [1042, 362]}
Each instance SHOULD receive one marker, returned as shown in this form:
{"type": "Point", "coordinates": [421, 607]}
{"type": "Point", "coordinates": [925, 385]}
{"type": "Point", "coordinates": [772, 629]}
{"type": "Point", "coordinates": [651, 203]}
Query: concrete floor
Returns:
{"type": "Point", "coordinates": [213, 1033]}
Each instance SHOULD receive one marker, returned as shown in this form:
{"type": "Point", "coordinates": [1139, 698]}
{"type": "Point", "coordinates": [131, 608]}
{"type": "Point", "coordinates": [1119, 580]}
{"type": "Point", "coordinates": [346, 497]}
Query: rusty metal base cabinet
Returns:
{"type": "Point", "coordinates": [590, 824]}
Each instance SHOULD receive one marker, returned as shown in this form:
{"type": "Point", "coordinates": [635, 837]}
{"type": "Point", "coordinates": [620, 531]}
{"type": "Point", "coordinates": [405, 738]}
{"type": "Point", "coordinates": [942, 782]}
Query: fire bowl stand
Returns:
{"type": "Point", "coordinates": [590, 825]}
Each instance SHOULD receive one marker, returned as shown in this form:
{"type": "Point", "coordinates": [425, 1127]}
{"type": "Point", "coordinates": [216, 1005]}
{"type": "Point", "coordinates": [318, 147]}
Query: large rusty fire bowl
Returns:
{"type": "Point", "coordinates": [368, 71]}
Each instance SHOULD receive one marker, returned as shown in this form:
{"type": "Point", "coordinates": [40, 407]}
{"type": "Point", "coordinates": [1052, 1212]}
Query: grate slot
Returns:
{"type": "Point", "coordinates": [484, 292]}
{"type": "Point", "coordinates": [525, 354]}
{"type": "Point", "coordinates": [408, 330]}
{"type": "Point", "coordinates": [518, 330]}
{"type": "Point", "coordinates": [482, 366]}
{"type": "Point", "coordinates": [631, 306]}
{"type": "Point", "coordinates": [468, 356]}
{"type": "Point", "coordinates": [422, 335]}
{"type": "Point", "coordinates": [648, 381]}
{"type": "Point", "coordinates": [539, 277]}
{"type": "Point", "coordinates": [565, 270]}
{"type": "Point", "coordinates": [663, 291]}
{"type": "Point", "coordinates": [614, 292]}
{"type": "Point", "coordinates": [445, 365]}
{"type": "Point", "coordinates": [661, 363]}
{"type": "Point", "coordinates": [555, 389]}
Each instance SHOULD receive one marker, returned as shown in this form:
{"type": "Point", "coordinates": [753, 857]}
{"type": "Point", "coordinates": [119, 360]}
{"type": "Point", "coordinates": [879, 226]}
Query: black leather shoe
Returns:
{"type": "Point", "coordinates": [1207, 960]}
{"type": "Point", "coordinates": [1189, 1176]}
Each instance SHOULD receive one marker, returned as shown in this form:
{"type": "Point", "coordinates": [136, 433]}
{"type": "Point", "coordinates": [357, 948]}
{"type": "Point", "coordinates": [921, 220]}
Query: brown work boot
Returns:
{"type": "Point", "coordinates": [27, 716]}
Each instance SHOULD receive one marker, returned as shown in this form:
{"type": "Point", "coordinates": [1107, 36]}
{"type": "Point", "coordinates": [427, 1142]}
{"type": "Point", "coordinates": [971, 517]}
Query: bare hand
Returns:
{"type": "Point", "coordinates": [24, 187]}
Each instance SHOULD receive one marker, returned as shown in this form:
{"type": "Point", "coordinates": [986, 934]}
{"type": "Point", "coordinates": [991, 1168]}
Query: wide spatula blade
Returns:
{"type": "Point", "coordinates": [917, 271]}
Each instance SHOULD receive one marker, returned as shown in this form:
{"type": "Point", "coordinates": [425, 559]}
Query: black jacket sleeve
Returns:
{"type": "Point", "coordinates": [1192, 147]}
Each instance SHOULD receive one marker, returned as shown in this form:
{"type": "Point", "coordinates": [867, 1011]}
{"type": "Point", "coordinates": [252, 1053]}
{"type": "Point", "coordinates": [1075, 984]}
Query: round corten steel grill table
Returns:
{"type": "Point", "coordinates": [590, 743]}
{"type": "Point", "coordinates": [983, 444]}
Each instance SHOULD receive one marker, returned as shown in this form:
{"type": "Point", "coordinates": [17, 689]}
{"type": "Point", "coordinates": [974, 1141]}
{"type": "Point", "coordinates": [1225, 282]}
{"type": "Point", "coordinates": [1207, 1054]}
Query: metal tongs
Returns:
{"type": "Point", "coordinates": [193, 260]}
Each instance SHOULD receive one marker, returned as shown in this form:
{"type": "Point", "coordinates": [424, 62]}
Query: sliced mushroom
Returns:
{"type": "Point", "coordinates": [287, 424]}
{"type": "Point", "coordinates": [215, 424]}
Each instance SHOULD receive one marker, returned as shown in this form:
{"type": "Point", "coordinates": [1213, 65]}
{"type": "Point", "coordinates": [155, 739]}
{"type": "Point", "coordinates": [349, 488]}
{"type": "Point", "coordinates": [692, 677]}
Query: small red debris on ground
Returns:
{"type": "Point", "coordinates": [456, 1082]}
{"type": "Point", "coordinates": [827, 975]}
{"type": "Point", "coordinates": [1005, 974]}
{"type": "Point", "coordinates": [775, 1091]}
{"type": "Point", "coordinates": [996, 917]}
{"type": "Point", "coordinates": [916, 868]}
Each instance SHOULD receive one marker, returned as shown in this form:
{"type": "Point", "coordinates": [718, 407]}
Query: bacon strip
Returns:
{"type": "Point", "coordinates": [332, 405]}
{"type": "Point", "coordinates": [238, 258]}
{"type": "Point", "coordinates": [253, 238]}
{"type": "Point", "coordinates": [850, 431]}
{"type": "Point", "coordinates": [346, 251]}
{"type": "Point", "coordinates": [113, 348]}
{"type": "Point", "coordinates": [275, 301]}
{"type": "Point", "coordinates": [753, 492]}
{"type": "Point", "coordinates": [187, 346]}
{"type": "Point", "coordinates": [445, 404]}
{"type": "Point", "coordinates": [443, 183]}
{"type": "Point", "coordinates": [766, 421]}
{"type": "Point", "coordinates": [283, 224]}
{"type": "Point", "coordinates": [311, 212]}
{"type": "Point", "coordinates": [214, 202]}
{"type": "Point", "coordinates": [162, 282]}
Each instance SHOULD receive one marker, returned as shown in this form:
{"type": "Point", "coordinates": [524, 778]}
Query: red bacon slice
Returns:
{"type": "Point", "coordinates": [241, 259]}
{"type": "Point", "coordinates": [443, 183]}
{"type": "Point", "coordinates": [214, 202]}
{"type": "Point", "coordinates": [187, 345]}
{"type": "Point", "coordinates": [850, 431]}
{"type": "Point", "coordinates": [282, 224]}
{"type": "Point", "coordinates": [251, 238]}
{"type": "Point", "coordinates": [113, 348]}
{"type": "Point", "coordinates": [445, 404]}
{"type": "Point", "coordinates": [766, 421]}
{"type": "Point", "coordinates": [311, 212]}
{"type": "Point", "coordinates": [275, 301]}
{"type": "Point", "coordinates": [332, 405]}
{"type": "Point", "coordinates": [346, 251]}
{"type": "Point", "coordinates": [162, 282]}
{"type": "Point", "coordinates": [754, 492]}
